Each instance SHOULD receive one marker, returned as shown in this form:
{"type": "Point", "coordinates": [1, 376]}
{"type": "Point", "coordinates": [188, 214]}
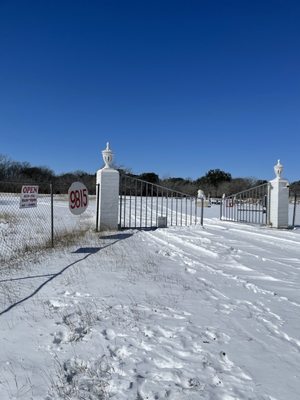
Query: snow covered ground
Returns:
{"type": "Point", "coordinates": [178, 313]}
{"type": "Point", "coordinates": [29, 228]}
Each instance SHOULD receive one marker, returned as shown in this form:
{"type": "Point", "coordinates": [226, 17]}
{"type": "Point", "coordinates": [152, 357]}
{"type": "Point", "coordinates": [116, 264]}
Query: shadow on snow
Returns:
{"type": "Point", "coordinates": [83, 250]}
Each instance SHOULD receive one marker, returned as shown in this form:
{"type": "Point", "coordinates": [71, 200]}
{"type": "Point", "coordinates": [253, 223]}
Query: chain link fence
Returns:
{"type": "Point", "coordinates": [40, 225]}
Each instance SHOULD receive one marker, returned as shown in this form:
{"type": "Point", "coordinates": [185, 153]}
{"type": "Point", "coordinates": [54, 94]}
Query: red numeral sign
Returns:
{"type": "Point", "coordinates": [78, 198]}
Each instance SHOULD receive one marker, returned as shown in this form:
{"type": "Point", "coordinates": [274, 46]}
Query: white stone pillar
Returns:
{"type": "Point", "coordinates": [108, 181]}
{"type": "Point", "coordinates": [279, 199]}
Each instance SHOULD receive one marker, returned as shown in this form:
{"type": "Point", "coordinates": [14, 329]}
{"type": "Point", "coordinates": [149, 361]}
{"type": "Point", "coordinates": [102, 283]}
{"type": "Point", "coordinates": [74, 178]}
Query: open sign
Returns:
{"type": "Point", "coordinates": [29, 195]}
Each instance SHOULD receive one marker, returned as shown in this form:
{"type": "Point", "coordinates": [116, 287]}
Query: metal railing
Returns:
{"type": "Point", "coordinates": [144, 204]}
{"type": "Point", "coordinates": [249, 206]}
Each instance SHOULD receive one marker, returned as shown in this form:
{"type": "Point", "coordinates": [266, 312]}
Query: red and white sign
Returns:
{"type": "Point", "coordinates": [29, 195]}
{"type": "Point", "coordinates": [78, 198]}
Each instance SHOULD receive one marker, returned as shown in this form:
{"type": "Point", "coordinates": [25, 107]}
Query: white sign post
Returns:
{"type": "Point", "coordinates": [29, 195]}
{"type": "Point", "coordinates": [78, 198]}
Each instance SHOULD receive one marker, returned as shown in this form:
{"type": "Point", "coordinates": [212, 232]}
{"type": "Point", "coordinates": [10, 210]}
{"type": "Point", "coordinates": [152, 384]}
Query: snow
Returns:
{"type": "Point", "coordinates": [30, 227]}
{"type": "Point", "coordinates": [174, 313]}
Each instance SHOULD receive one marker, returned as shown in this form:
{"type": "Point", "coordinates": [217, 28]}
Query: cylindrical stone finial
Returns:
{"type": "Point", "coordinates": [107, 156]}
{"type": "Point", "coordinates": [278, 168]}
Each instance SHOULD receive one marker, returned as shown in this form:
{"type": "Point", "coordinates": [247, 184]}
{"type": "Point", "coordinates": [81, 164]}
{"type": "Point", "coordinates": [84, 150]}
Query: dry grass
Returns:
{"type": "Point", "coordinates": [7, 218]}
{"type": "Point", "coordinates": [32, 251]}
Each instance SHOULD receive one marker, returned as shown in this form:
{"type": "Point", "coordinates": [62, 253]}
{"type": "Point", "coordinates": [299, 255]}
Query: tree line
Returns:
{"type": "Point", "coordinates": [214, 183]}
{"type": "Point", "coordinates": [13, 172]}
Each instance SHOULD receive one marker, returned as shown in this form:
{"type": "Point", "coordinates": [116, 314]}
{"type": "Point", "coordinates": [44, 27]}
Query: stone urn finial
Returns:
{"type": "Point", "coordinates": [278, 168]}
{"type": "Point", "coordinates": [107, 156]}
{"type": "Point", "coordinates": [200, 194]}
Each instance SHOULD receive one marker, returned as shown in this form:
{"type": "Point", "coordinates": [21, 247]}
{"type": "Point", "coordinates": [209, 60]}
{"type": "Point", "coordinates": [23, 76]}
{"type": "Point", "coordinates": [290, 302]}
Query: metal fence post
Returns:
{"type": "Point", "coordinates": [202, 210]}
{"type": "Point", "coordinates": [221, 208]}
{"type": "Point", "coordinates": [294, 213]}
{"type": "Point", "coordinates": [268, 204]}
{"type": "Point", "coordinates": [52, 216]}
{"type": "Point", "coordinates": [97, 206]}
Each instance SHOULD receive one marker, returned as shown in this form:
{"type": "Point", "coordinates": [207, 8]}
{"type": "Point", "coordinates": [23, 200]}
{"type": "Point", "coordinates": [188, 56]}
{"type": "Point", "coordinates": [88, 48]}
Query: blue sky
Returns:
{"type": "Point", "coordinates": [177, 87]}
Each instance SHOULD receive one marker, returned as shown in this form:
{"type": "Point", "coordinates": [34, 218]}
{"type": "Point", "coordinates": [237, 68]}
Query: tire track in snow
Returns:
{"type": "Point", "coordinates": [263, 314]}
{"type": "Point", "coordinates": [260, 246]}
{"type": "Point", "coordinates": [220, 252]}
{"type": "Point", "coordinates": [165, 239]}
{"type": "Point", "coordinates": [266, 236]}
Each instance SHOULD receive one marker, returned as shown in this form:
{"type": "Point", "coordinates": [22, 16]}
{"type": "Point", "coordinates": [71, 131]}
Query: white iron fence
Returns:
{"type": "Point", "coordinates": [248, 206]}
{"type": "Point", "coordinates": [147, 205]}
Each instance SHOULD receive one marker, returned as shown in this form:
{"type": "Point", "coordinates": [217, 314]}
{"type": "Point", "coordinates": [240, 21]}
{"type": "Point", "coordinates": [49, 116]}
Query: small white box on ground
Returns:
{"type": "Point", "coordinates": [162, 222]}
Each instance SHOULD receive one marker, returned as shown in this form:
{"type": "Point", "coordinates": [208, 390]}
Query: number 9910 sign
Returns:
{"type": "Point", "coordinates": [78, 198]}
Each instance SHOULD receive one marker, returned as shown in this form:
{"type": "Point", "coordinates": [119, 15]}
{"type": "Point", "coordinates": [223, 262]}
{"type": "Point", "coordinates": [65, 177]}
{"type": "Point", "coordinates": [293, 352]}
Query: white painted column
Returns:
{"type": "Point", "coordinates": [108, 179]}
{"type": "Point", "coordinates": [279, 199]}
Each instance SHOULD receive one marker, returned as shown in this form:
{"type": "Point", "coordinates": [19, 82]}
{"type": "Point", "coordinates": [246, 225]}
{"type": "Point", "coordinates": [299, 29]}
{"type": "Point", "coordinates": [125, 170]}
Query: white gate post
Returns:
{"type": "Point", "coordinates": [279, 199]}
{"type": "Point", "coordinates": [108, 183]}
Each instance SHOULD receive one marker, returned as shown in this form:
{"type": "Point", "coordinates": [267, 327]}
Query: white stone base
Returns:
{"type": "Point", "coordinates": [162, 222]}
{"type": "Point", "coordinates": [108, 179]}
{"type": "Point", "coordinates": [279, 203]}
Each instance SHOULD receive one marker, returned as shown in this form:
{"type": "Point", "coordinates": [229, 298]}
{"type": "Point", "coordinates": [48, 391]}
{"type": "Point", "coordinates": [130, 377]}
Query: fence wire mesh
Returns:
{"type": "Point", "coordinates": [66, 223]}
{"type": "Point", "coordinates": [43, 225]}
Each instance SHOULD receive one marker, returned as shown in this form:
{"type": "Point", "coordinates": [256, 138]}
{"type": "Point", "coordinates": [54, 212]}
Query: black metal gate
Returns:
{"type": "Point", "coordinates": [147, 205]}
{"type": "Point", "coordinates": [250, 206]}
